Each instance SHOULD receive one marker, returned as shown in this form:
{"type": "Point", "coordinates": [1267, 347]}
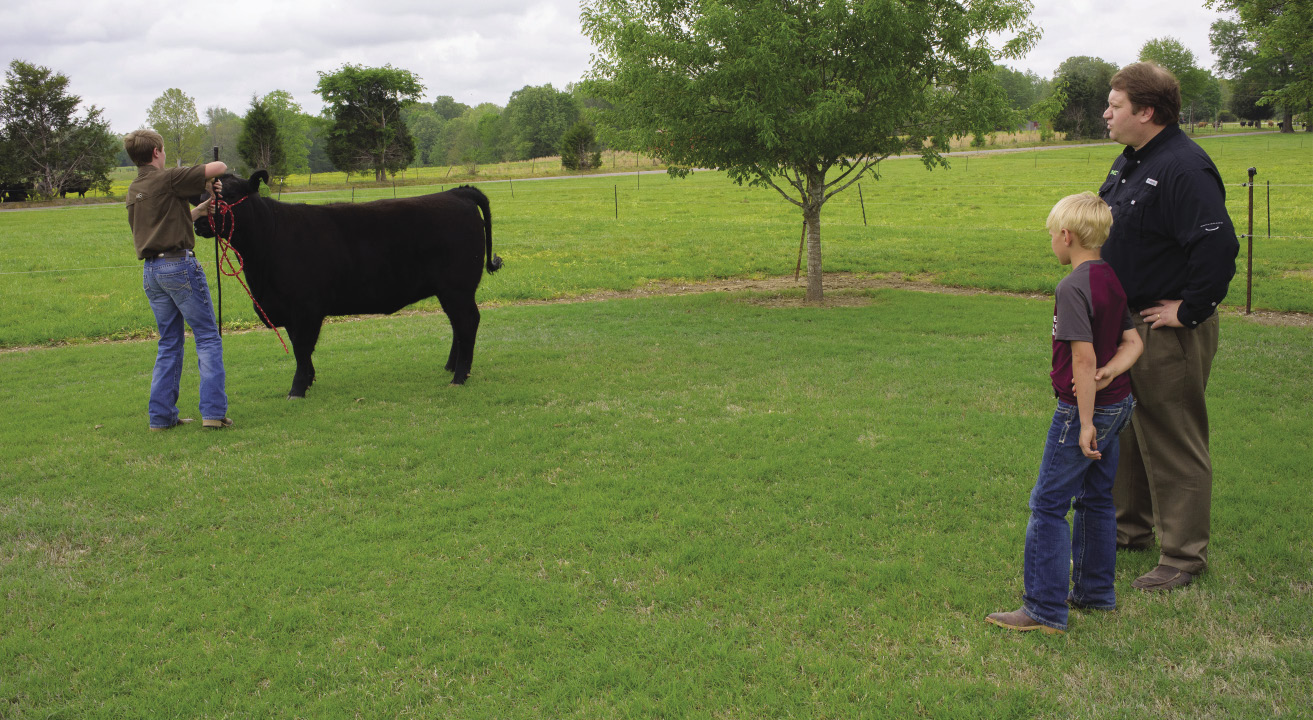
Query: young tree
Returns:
{"type": "Point", "coordinates": [259, 144]}
{"type": "Point", "coordinates": [368, 131]}
{"type": "Point", "coordinates": [173, 116]}
{"type": "Point", "coordinates": [802, 97]}
{"type": "Point", "coordinates": [1272, 38]}
{"type": "Point", "coordinates": [44, 140]}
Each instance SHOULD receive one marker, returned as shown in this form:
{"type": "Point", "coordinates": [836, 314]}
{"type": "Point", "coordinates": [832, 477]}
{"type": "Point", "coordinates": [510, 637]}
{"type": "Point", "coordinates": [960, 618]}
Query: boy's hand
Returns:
{"type": "Point", "coordinates": [202, 209]}
{"type": "Point", "coordinates": [1089, 442]}
{"type": "Point", "coordinates": [215, 188]}
{"type": "Point", "coordinates": [1103, 378]}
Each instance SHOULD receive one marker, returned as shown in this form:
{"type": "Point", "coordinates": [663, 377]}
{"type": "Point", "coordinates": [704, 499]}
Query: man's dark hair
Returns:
{"type": "Point", "coordinates": [1149, 85]}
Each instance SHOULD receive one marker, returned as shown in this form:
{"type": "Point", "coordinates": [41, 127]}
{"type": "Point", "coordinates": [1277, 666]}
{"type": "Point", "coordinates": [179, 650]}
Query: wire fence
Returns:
{"type": "Point", "coordinates": [590, 194]}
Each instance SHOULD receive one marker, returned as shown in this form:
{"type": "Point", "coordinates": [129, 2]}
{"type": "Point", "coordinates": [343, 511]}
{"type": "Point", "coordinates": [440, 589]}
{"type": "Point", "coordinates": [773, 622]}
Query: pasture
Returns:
{"type": "Point", "coordinates": [69, 274]}
{"type": "Point", "coordinates": [723, 505]}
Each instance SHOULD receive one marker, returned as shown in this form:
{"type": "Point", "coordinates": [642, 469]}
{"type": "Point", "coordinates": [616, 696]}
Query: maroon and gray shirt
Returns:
{"type": "Point", "coordinates": [1089, 306]}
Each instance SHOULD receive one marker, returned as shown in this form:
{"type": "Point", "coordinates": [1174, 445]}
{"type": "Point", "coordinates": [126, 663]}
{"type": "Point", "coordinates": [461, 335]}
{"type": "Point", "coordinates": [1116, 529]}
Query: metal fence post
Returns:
{"type": "Point", "coordinates": [1249, 274]}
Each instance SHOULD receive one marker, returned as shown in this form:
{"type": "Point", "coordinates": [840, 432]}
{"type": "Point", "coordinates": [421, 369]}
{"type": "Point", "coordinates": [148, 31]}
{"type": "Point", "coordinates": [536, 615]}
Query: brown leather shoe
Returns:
{"type": "Point", "coordinates": [176, 423]}
{"type": "Point", "coordinates": [1162, 578]}
{"type": "Point", "coordinates": [1019, 620]}
{"type": "Point", "coordinates": [209, 424]}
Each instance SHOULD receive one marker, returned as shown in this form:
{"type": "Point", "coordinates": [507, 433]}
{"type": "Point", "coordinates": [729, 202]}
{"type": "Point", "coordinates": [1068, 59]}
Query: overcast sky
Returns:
{"type": "Point", "coordinates": [122, 55]}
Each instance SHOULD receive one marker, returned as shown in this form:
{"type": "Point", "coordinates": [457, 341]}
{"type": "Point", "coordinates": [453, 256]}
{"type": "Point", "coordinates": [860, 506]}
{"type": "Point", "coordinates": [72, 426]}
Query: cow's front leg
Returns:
{"type": "Point", "coordinates": [304, 336]}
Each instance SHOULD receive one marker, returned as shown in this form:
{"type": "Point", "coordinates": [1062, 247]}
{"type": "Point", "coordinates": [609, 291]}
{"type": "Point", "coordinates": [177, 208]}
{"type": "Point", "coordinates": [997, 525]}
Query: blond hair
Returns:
{"type": "Point", "coordinates": [1084, 215]}
{"type": "Point", "coordinates": [141, 145]}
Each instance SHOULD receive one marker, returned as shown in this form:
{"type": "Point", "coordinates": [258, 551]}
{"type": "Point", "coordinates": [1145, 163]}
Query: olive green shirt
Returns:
{"type": "Point", "coordinates": [158, 211]}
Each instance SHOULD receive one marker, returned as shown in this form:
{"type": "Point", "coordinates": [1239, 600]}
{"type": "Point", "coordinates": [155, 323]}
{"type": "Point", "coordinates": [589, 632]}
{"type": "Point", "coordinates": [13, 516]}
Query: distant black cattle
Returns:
{"type": "Point", "coordinates": [307, 262]}
{"type": "Point", "coordinates": [75, 186]}
{"type": "Point", "coordinates": [15, 192]}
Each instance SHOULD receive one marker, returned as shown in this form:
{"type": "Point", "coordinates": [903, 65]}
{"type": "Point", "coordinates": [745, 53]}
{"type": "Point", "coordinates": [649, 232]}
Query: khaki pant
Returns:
{"type": "Point", "coordinates": [1165, 477]}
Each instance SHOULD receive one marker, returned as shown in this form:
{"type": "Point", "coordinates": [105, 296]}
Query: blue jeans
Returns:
{"type": "Point", "coordinates": [1070, 481]}
{"type": "Point", "coordinates": [177, 291]}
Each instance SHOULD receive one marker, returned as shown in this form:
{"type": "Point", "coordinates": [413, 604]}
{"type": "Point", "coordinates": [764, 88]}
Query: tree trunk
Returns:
{"type": "Point", "coordinates": [811, 215]}
{"type": "Point", "coordinates": [1288, 122]}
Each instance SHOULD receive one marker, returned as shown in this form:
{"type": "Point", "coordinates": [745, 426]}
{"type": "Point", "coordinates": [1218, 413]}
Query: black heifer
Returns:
{"type": "Point", "coordinates": [306, 262]}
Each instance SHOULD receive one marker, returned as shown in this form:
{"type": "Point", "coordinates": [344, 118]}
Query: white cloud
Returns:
{"type": "Point", "coordinates": [122, 55]}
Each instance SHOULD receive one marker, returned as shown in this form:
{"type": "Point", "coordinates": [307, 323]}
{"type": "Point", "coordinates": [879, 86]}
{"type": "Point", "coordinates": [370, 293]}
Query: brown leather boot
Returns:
{"type": "Point", "coordinates": [1019, 620]}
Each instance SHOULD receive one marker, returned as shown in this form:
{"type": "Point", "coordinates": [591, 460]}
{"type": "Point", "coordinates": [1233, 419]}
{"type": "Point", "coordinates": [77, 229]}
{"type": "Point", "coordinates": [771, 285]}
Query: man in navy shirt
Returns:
{"type": "Point", "coordinates": [1173, 248]}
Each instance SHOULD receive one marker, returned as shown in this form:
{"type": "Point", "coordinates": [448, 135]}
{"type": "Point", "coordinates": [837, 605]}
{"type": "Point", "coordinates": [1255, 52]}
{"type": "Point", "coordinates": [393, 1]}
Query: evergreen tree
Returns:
{"type": "Point", "coordinates": [579, 148]}
{"type": "Point", "coordinates": [42, 139]}
{"type": "Point", "coordinates": [259, 145]}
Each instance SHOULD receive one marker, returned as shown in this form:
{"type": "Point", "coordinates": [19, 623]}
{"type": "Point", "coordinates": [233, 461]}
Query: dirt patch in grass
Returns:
{"type": "Point", "coordinates": [841, 290]}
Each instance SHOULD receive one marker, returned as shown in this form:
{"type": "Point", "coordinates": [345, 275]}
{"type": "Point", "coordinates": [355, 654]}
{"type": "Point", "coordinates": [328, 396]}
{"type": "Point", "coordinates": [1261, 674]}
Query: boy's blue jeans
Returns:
{"type": "Point", "coordinates": [178, 292]}
{"type": "Point", "coordinates": [1069, 480]}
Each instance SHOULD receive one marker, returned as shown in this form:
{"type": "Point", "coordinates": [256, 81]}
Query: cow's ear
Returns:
{"type": "Point", "coordinates": [256, 178]}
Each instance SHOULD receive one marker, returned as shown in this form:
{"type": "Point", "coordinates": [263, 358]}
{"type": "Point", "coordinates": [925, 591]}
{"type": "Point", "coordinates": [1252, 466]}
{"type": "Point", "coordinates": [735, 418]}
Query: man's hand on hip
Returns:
{"type": "Point", "coordinates": [1163, 314]}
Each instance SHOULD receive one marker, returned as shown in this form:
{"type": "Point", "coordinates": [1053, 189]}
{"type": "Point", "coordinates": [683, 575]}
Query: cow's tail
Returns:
{"type": "Point", "coordinates": [476, 196]}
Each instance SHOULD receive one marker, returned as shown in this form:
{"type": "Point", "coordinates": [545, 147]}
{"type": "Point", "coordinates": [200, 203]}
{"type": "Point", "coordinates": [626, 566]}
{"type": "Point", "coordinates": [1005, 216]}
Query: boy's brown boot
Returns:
{"type": "Point", "coordinates": [1019, 620]}
{"type": "Point", "coordinates": [209, 424]}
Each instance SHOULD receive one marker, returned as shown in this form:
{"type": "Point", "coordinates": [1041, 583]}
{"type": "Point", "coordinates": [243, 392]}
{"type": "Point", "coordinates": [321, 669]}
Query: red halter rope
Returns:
{"type": "Point", "coordinates": [227, 223]}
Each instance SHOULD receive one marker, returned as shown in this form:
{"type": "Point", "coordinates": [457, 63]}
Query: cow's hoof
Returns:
{"type": "Point", "coordinates": [449, 367]}
{"type": "Point", "coordinates": [460, 379]}
{"type": "Point", "coordinates": [294, 396]}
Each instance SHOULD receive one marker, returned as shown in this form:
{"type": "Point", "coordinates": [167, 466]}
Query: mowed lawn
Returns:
{"type": "Point", "coordinates": [721, 506]}
{"type": "Point", "coordinates": [700, 506]}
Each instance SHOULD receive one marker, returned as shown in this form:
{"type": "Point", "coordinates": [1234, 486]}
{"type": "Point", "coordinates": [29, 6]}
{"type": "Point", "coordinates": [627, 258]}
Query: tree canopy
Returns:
{"type": "Point", "coordinates": [43, 140]}
{"type": "Point", "coordinates": [1197, 85]}
{"type": "Point", "coordinates": [293, 129]}
{"type": "Point", "coordinates": [1272, 41]}
{"type": "Point", "coordinates": [368, 131]}
{"type": "Point", "coordinates": [1086, 80]}
{"type": "Point", "coordinates": [537, 118]}
{"type": "Point", "coordinates": [805, 98]}
{"type": "Point", "coordinates": [223, 127]}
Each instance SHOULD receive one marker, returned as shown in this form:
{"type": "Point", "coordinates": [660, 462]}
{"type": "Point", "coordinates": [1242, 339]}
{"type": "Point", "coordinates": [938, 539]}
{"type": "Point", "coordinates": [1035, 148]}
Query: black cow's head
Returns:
{"type": "Point", "coordinates": [232, 190]}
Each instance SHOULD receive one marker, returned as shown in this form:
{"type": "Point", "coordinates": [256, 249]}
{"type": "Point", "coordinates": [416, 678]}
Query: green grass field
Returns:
{"type": "Point", "coordinates": [708, 506]}
{"type": "Point", "coordinates": [69, 274]}
{"type": "Point", "coordinates": [675, 507]}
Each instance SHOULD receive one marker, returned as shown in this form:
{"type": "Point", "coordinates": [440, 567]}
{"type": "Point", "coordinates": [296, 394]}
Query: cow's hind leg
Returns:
{"type": "Point", "coordinates": [304, 336]}
{"type": "Point", "coordinates": [463, 314]}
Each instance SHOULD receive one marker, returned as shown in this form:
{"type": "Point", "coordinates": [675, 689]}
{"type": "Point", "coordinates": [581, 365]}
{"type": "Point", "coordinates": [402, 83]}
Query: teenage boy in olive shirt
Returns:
{"type": "Point", "coordinates": [174, 281]}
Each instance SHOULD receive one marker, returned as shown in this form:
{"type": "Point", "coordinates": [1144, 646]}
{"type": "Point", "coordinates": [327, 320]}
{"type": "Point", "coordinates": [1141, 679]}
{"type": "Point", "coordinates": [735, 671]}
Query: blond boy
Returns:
{"type": "Point", "coordinates": [1094, 344]}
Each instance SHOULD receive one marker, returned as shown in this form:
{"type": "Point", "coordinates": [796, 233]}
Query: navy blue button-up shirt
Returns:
{"type": "Point", "coordinates": [1171, 236]}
